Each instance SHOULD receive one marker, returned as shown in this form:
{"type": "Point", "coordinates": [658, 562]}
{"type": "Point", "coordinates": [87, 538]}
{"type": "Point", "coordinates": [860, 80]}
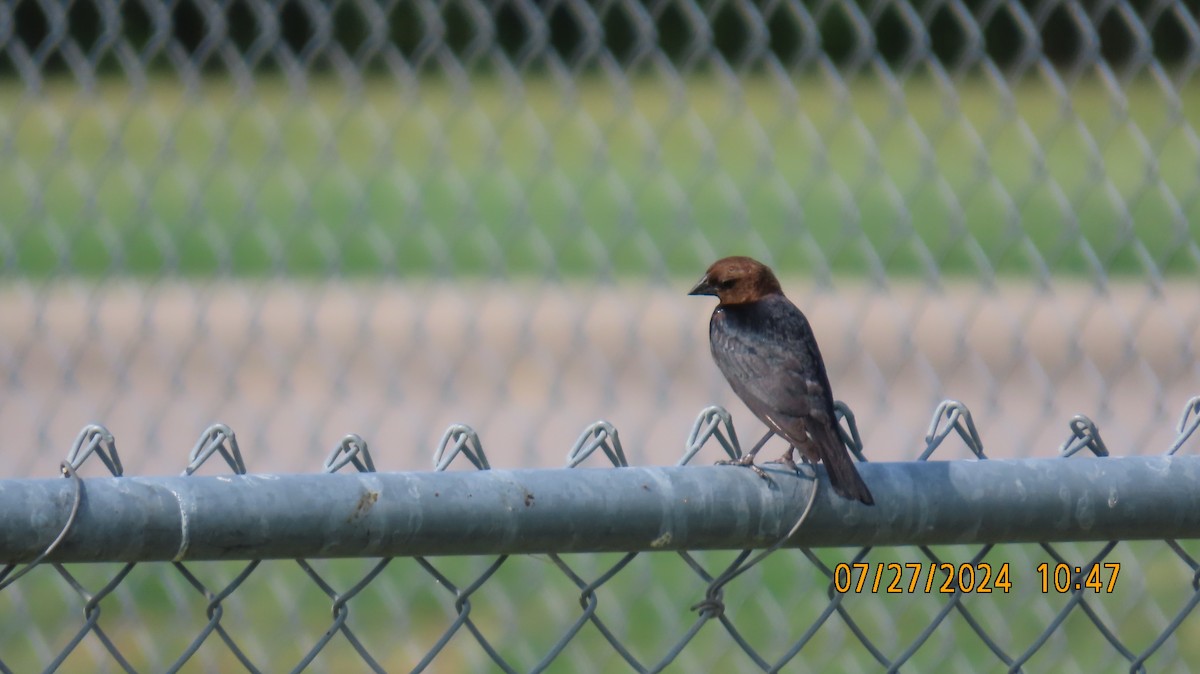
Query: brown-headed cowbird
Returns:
{"type": "Point", "coordinates": [766, 349]}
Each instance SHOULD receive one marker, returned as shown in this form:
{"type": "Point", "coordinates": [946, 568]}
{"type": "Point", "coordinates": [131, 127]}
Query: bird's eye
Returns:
{"type": "Point", "coordinates": [726, 284]}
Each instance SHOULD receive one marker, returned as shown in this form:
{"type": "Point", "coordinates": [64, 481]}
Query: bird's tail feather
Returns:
{"type": "Point", "coordinates": [843, 475]}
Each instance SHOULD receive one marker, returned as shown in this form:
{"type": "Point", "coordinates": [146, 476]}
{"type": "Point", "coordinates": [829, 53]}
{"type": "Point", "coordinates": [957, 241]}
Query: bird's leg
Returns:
{"type": "Point", "coordinates": [747, 459]}
{"type": "Point", "coordinates": [758, 445]}
{"type": "Point", "coordinates": [787, 459]}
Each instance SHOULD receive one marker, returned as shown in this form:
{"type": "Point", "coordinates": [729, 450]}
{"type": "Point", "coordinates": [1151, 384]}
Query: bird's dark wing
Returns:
{"type": "Point", "coordinates": [768, 353]}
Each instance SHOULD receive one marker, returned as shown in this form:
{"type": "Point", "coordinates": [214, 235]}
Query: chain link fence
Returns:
{"type": "Point", "coordinates": [306, 219]}
{"type": "Point", "coordinates": [804, 609]}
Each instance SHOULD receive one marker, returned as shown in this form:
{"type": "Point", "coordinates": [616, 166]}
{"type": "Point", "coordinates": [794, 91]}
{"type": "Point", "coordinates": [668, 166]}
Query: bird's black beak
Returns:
{"type": "Point", "coordinates": [704, 287]}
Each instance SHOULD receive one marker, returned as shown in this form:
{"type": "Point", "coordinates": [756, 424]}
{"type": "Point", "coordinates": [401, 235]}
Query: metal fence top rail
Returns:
{"type": "Point", "coordinates": [590, 510]}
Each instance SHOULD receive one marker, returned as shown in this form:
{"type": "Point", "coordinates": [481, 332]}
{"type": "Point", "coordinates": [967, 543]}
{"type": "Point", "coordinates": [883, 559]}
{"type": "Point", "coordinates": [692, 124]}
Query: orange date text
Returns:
{"type": "Point", "coordinates": [913, 577]}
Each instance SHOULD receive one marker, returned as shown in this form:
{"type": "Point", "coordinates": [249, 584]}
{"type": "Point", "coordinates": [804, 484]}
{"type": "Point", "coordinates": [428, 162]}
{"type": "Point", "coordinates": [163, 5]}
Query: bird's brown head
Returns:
{"type": "Point", "coordinates": [738, 280]}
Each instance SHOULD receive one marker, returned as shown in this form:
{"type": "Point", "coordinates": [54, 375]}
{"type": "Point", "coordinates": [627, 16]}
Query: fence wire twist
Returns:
{"type": "Point", "coordinates": [712, 428]}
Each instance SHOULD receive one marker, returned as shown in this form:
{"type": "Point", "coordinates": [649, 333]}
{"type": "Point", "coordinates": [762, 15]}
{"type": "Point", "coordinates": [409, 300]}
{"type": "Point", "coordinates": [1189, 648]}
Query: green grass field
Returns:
{"type": "Point", "coordinates": [523, 610]}
{"type": "Point", "coordinates": [641, 179]}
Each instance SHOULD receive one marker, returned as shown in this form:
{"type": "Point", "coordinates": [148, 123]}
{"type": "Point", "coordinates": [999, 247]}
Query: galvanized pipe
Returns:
{"type": "Point", "coordinates": [589, 510]}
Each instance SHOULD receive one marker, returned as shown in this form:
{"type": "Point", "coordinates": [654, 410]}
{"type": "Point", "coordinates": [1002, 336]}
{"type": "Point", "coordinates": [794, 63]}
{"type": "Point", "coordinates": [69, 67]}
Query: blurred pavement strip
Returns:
{"type": "Point", "coordinates": [292, 366]}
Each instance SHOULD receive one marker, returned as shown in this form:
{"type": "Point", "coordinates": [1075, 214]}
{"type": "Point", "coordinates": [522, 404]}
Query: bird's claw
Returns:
{"type": "Point", "coordinates": [787, 460]}
{"type": "Point", "coordinates": [747, 461]}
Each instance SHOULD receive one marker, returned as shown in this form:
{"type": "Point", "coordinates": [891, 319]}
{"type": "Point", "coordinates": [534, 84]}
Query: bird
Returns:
{"type": "Point", "coordinates": [766, 349]}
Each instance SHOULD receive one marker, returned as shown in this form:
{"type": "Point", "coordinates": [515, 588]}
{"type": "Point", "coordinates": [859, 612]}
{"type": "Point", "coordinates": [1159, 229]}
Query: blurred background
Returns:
{"type": "Point", "coordinates": [306, 219]}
